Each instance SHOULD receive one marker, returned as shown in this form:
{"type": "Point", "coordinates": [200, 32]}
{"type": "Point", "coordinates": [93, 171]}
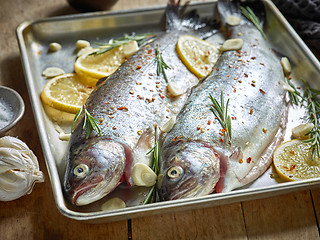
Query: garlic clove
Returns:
{"type": "Point", "coordinates": [286, 65]}
{"type": "Point", "coordinates": [232, 44]}
{"type": "Point", "coordinates": [51, 72]}
{"type": "Point", "coordinates": [130, 48]}
{"type": "Point", "coordinates": [233, 20]}
{"type": "Point", "coordinates": [301, 130]}
{"type": "Point", "coordinates": [82, 44]}
{"type": "Point", "coordinates": [168, 125]}
{"type": "Point", "coordinates": [113, 204]}
{"type": "Point", "coordinates": [143, 175]}
{"type": "Point", "coordinates": [19, 169]}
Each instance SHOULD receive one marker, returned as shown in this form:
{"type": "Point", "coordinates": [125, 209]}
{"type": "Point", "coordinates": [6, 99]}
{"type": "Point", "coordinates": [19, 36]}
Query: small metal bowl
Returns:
{"type": "Point", "coordinates": [13, 101]}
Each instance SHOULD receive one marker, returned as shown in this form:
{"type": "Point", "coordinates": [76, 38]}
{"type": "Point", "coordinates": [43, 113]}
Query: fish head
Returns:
{"type": "Point", "coordinates": [95, 167]}
{"type": "Point", "coordinates": [188, 169]}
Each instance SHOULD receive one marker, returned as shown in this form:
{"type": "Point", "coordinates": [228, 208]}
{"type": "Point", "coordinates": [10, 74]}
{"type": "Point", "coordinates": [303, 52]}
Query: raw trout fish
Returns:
{"type": "Point", "coordinates": [128, 105]}
{"type": "Point", "coordinates": [197, 156]}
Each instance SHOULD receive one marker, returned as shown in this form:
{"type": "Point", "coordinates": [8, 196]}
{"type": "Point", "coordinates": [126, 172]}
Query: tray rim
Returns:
{"type": "Point", "coordinates": [159, 207]}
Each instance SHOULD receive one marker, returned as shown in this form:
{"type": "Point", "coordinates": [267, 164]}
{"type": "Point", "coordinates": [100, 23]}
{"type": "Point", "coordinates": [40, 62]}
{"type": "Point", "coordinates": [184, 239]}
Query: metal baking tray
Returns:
{"type": "Point", "coordinates": [34, 38]}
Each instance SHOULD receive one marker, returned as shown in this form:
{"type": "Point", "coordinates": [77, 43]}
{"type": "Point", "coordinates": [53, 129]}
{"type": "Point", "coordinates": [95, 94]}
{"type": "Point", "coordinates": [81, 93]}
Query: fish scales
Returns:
{"type": "Point", "coordinates": [252, 81]}
{"type": "Point", "coordinates": [127, 105]}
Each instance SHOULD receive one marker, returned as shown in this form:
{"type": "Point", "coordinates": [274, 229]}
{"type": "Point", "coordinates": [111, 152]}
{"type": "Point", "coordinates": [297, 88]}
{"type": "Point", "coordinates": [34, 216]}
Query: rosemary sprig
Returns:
{"type": "Point", "coordinates": [249, 14]}
{"type": "Point", "coordinates": [161, 65]}
{"type": "Point", "coordinates": [151, 197]}
{"type": "Point", "coordinates": [294, 95]}
{"type": "Point", "coordinates": [313, 106]}
{"type": "Point", "coordinates": [140, 38]}
{"type": "Point", "coordinates": [221, 113]}
{"type": "Point", "coordinates": [89, 122]}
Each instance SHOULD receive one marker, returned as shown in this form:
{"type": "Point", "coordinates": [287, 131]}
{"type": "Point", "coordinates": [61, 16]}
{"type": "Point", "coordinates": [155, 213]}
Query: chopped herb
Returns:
{"type": "Point", "coordinates": [161, 65]}
{"type": "Point", "coordinates": [249, 14]}
{"type": "Point", "coordinates": [140, 38]}
{"type": "Point", "coordinates": [89, 122]}
{"type": "Point", "coordinates": [151, 197]}
{"type": "Point", "coordinates": [221, 113]}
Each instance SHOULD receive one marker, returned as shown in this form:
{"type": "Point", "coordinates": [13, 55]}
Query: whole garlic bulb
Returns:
{"type": "Point", "coordinates": [19, 169]}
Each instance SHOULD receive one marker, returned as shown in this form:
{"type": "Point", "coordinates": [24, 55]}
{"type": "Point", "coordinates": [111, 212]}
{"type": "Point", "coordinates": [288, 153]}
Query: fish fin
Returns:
{"type": "Point", "coordinates": [145, 143]}
{"type": "Point", "coordinates": [176, 18]}
{"type": "Point", "coordinates": [100, 81]}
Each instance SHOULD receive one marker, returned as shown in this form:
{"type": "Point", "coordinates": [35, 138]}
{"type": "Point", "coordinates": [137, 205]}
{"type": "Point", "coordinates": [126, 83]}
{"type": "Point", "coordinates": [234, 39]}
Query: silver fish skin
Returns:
{"type": "Point", "coordinates": [197, 158]}
{"type": "Point", "coordinates": [128, 105]}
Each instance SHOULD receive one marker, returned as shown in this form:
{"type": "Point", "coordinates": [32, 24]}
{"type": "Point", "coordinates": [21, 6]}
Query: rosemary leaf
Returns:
{"type": "Point", "coordinates": [161, 65]}
{"type": "Point", "coordinates": [309, 97]}
{"type": "Point", "coordinates": [151, 197]}
{"type": "Point", "coordinates": [249, 14]}
{"type": "Point", "coordinates": [89, 122]}
{"type": "Point", "coordinates": [220, 111]}
{"type": "Point", "coordinates": [140, 39]}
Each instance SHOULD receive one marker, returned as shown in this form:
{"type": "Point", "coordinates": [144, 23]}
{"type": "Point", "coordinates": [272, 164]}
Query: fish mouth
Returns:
{"type": "Point", "coordinates": [83, 196]}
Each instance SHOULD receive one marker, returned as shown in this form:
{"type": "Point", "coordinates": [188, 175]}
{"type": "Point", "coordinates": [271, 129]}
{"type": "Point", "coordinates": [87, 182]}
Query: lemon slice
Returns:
{"type": "Point", "coordinates": [292, 161]}
{"type": "Point", "coordinates": [65, 93]}
{"type": "Point", "coordinates": [198, 55]}
{"type": "Point", "coordinates": [91, 67]}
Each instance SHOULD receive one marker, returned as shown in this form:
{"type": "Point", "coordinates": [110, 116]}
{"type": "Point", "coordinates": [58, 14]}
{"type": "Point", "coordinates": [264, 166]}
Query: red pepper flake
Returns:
{"type": "Point", "coordinates": [139, 132]}
{"type": "Point", "coordinates": [175, 139]}
{"type": "Point", "coordinates": [111, 116]}
{"type": "Point", "coordinates": [209, 122]}
{"type": "Point", "coordinates": [106, 103]}
{"type": "Point", "coordinates": [114, 128]}
{"type": "Point", "coordinates": [221, 133]}
{"type": "Point", "coordinates": [221, 140]}
{"type": "Point", "coordinates": [251, 111]}
{"type": "Point", "coordinates": [230, 66]}
{"type": "Point", "coordinates": [238, 51]}
{"type": "Point", "coordinates": [101, 119]}
{"type": "Point", "coordinates": [139, 97]}
{"type": "Point", "coordinates": [253, 58]}
{"type": "Point", "coordinates": [239, 81]}
{"type": "Point", "coordinates": [228, 75]}
{"type": "Point", "coordinates": [217, 69]}
{"type": "Point", "coordinates": [240, 160]}
{"type": "Point", "coordinates": [122, 108]}
{"type": "Point", "coordinates": [245, 75]}
{"type": "Point", "coordinates": [253, 85]}
{"type": "Point", "coordinates": [248, 159]}
{"type": "Point", "coordinates": [263, 92]}
{"type": "Point", "coordinates": [162, 96]}
{"type": "Point", "coordinates": [150, 51]}
{"type": "Point", "coordinates": [236, 78]}
{"type": "Point", "coordinates": [291, 152]}
{"type": "Point", "coordinates": [138, 67]}
{"type": "Point", "coordinates": [234, 90]}
{"type": "Point", "coordinates": [138, 83]}
{"type": "Point", "coordinates": [198, 127]}
{"type": "Point", "coordinates": [234, 118]}
{"type": "Point", "coordinates": [131, 91]}
{"type": "Point", "coordinates": [262, 64]}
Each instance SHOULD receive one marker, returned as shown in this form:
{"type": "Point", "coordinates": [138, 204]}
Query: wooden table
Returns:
{"type": "Point", "coordinates": [290, 216]}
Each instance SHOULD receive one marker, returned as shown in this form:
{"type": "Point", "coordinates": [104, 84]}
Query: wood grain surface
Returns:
{"type": "Point", "coordinates": [35, 216]}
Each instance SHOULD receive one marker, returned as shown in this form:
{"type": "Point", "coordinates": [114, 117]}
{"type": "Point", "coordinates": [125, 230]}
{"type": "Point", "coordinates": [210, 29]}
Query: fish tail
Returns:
{"type": "Point", "coordinates": [178, 18]}
{"type": "Point", "coordinates": [228, 8]}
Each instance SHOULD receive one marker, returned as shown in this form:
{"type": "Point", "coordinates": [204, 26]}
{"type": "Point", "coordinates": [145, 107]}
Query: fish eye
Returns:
{"type": "Point", "coordinates": [81, 170]}
{"type": "Point", "coordinates": [175, 172]}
